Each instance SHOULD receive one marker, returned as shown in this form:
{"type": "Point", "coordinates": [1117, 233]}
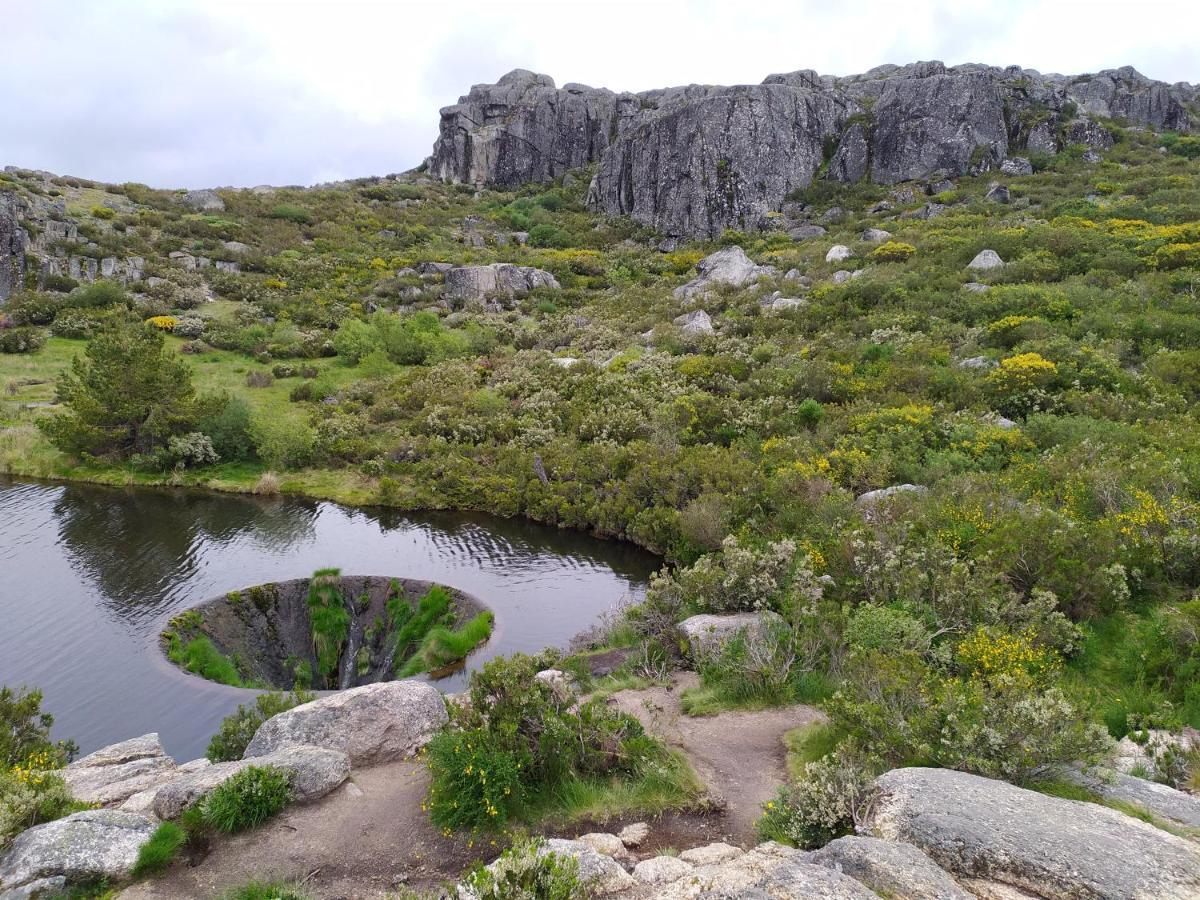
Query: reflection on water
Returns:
{"type": "Point", "coordinates": [88, 575]}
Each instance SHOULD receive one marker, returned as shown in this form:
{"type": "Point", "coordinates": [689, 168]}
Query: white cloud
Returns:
{"type": "Point", "coordinates": [202, 92]}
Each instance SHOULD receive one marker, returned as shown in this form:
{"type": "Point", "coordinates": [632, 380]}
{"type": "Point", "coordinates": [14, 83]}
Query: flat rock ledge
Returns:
{"type": "Point", "coordinates": [998, 838]}
{"type": "Point", "coordinates": [312, 773]}
{"type": "Point", "coordinates": [372, 724]}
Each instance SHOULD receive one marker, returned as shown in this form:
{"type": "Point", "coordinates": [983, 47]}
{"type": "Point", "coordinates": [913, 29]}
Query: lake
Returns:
{"type": "Point", "coordinates": [89, 575]}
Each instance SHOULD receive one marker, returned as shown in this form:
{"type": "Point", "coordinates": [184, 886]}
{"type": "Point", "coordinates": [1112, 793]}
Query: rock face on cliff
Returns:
{"type": "Point", "coordinates": [12, 247]}
{"type": "Point", "coordinates": [524, 129]}
{"type": "Point", "coordinates": [693, 161]}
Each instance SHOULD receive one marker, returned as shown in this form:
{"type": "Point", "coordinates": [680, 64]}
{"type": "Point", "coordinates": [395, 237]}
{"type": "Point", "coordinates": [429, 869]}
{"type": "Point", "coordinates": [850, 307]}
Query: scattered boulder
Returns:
{"type": "Point", "coordinates": [1002, 839]}
{"type": "Point", "coordinates": [602, 873]}
{"type": "Point", "coordinates": [1016, 165]}
{"type": "Point", "coordinates": [1141, 756]}
{"type": "Point", "coordinates": [842, 276]}
{"type": "Point", "coordinates": [312, 773]}
{"type": "Point", "coordinates": [562, 685]}
{"type": "Point", "coordinates": [899, 871]}
{"type": "Point", "coordinates": [503, 281]}
{"type": "Point", "coordinates": [710, 854]}
{"type": "Point", "coordinates": [997, 193]}
{"type": "Point", "coordinates": [837, 253]}
{"type": "Point", "coordinates": [976, 288]}
{"type": "Point", "coordinates": [564, 362]}
{"type": "Point", "coordinates": [634, 835]}
{"type": "Point", "coordinates": [203, 201]}
{"type": "Point", "coordinates": [778, 304]}
{"type": "Point", "coordinates": [875, 236]}
{"type": "Point", "coordinates": [661, 869]}
{"type": "Point", "coordinates": [975, 362]}
{"type": "Point", "coordinates": [806, 232]}
{"type": "Point", "coordinates": [84, 846]}
{"type": "Point", "coordinates": [986, 259]}
{"type": "Point", "coordinates": [696, 322]}
{"type": "Point", "coordinates": [928, 211]}
{"type": "Point", "coordinates": [706, 634]}
{"type": "Point", "coordinates": [602, 842]}
{"type": "Point", "coordinates": [371, 724]}
{"type": "Point", "coordinates": [872, 499]}
{"type": "Point", "coordinates": [729, 266]}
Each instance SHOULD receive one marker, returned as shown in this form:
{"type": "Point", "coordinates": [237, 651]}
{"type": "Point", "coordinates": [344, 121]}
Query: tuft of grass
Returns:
{"type": "Point", "coordinates": [443, 647]}
{"type": "Point", "coordinates": [201, 657]}
{"type": "Point", "coordinates": [664, 784]}
{"type": "Point", "coordinates": [267, 890]}
{"type": "Point", "coordinates": [808, 743]}
{"type": "Point", "coordinates": [158, 852]}
{"type": "Point", "coordinates": [246, 799]}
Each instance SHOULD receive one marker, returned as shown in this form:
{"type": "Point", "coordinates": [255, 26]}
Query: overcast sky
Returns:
{"type": "Point", "coordinates": [176, 93]}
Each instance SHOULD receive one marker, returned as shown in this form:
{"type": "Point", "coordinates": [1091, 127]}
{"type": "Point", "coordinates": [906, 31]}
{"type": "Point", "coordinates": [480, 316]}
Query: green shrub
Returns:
{"type": "Point", "coordinates": [98, 294]}
{"type": "Point", "coordinates": [893, 251]}
{"type": "Point", "coordinates": [526, 871]}
{"type": "Point", "coordinates": [829, 799]}
{"type": "Point", "coordinates": [158, 852]}
{"type": "Point", "coordinates": [477, 781]}
{"type": "Point", "coordinates": [238, 729]}
{"type": "Point", "coordinates": [292, 213]}
{"type": "Point", "coordinates": [30, 792]}
{"type": "Point", "coordinates": [246, 799]}
{"type": "Point", "coordinates": [21, 340]}
{"type": "Point", "coordinates": [29, 798]}
{"type": "Point", "coordinates": [516, 743]}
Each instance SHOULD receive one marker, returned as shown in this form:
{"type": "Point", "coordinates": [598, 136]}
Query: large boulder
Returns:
{"type": "Point", "coordinates": [695, 323]}
{"type": "Point", "coordinates": [203, 201]}
{"type": "Point", "coordinates": [707, 634]}
{"type": "Point", "coordinates": [899, 871]}
{"type": "Point", "coordinates": [117, 772]}
{"type": "Point", "coordinates": [371, 724]}
{"type": "Point", "coordinates": [1002, 839]}
{"type": "Point", "coordinates": [312, 773]}
{"type": "Point", "coordinates": [728, 267]}
{"type": "Point", "coordinates": [84, 846]}
{"type": "Point", "coordinates": [498, 281]}
{"type": "Point", "coordinates": [984, 260]}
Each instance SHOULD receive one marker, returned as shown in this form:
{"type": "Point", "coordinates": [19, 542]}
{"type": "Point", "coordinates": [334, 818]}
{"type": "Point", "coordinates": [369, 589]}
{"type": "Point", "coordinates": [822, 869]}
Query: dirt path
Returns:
{"type": "Point", "coordinates": [739, 755]}
{"type": "Point", "coordinates": [362, 840]}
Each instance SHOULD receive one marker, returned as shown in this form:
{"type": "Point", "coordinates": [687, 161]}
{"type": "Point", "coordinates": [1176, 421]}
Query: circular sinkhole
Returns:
{"type": "Point", "coordinates": [328, 632]}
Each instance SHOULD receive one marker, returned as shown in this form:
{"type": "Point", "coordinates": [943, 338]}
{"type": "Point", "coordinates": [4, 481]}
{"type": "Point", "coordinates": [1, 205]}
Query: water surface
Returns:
{"type": "Point", "coordinates": [88, 576]}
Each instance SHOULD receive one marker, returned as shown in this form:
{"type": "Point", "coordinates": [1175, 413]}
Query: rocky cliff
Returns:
{"type": "Point", "coordinates": [694, 161]}
{"type": "Point", "coordinates": [12, 246]}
